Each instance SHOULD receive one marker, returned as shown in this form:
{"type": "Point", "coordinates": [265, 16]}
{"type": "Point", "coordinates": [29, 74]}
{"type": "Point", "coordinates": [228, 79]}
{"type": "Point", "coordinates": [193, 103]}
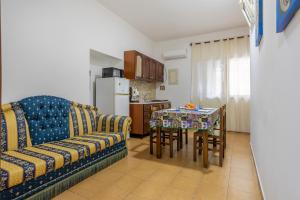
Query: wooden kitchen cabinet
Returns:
{"type": "Point", "coordinates": [160, 72]}
{"type": "Point", "coordinates": [141, 116]}
{"type": "Point", "coordinates": [152, 70]}
{"type": "Point", "coordinates": [146, 68]}
{"type": "Point", "coordinates": [133, 65]}
{"type": "Point", "coordinates": [138, 66]}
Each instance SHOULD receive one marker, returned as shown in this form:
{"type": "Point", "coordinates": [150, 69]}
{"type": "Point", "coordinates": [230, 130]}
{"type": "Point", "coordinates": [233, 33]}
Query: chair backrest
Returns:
{"type": "Point", "coordinates": [14, 128]}
{"type": "Point", "coordinates": [82, 119]}
{"type": "Point", "coordinates": [224, 116]}
{"type": "Point", "coordinates": [154, 108]}
{"type": "Point", "coordinates": [47, 117]}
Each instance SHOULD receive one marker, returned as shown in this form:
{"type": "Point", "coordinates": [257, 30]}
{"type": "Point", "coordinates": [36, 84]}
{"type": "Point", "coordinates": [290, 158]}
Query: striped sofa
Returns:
{"type": "Point", "coordinates": [49, 144]}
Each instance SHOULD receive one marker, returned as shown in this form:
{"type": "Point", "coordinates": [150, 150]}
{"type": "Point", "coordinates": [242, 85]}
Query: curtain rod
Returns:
{"type": "Point", "coordinates": [225, 39]}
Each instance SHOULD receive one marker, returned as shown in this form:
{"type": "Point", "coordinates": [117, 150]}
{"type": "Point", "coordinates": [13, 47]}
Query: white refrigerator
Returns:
{"type": "Point", "coordinates": [112, 95]}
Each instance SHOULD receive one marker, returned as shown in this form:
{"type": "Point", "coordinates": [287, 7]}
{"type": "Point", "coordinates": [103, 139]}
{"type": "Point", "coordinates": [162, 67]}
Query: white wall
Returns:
{"type": "Point", "coordinates": [180, 94]}
{"type": "Point", "coordinates": [46, 45]}
{"type": "Point", "coordinates": [98, 61]}
{"type": "Point", "coordinates": [275, 107]}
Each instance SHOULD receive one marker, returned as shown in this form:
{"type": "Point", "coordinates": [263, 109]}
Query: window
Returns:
{"type": "Point", "coordinates": [239, 76]}
{"type": "Point", "coordinates": [214, 77]}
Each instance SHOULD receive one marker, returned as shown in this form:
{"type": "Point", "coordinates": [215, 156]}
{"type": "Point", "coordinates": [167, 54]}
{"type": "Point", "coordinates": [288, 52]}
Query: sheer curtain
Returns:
{"type": "Point", "coordinates": [221, 74]}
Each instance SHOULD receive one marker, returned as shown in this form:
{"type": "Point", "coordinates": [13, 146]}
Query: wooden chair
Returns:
{"type": "Point", "coordinates": [224, 125]}
{"type": "Point", "coordinates": [216, 139]}
{"type": "Point", "coordinates": [183, 132]}
{"type": "Point", "coordinates": [168, 136]}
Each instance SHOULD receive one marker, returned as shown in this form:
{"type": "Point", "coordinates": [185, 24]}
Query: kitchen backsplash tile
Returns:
{"type": "Point", "coordinates": [147, 90]}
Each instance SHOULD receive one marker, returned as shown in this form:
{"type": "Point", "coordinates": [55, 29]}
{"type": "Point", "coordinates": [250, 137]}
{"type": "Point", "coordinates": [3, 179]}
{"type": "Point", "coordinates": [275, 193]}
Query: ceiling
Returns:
{"type": "Point", "coordinates": [169, 19]}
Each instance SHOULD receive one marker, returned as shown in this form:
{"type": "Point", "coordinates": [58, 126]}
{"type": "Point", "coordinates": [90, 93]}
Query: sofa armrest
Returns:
{"type": "Point", "coordinates": [113, 124]}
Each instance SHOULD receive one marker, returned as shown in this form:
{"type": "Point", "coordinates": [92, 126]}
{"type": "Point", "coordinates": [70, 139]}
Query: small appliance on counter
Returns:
{"type": "Point", "coordinates": [134, 94]}
{"type": "Point", "coordinates": [112, 72]}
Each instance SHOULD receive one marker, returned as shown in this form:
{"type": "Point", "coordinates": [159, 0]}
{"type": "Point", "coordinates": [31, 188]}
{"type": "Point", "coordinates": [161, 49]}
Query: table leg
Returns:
{"type": "Point", "coordinates": [205, 149]}
{"type": "Point", "coordinates": [171, 144]}
{"type": "Point", "coordinates": [181, 138]}
{"type": "Point", "coordinates": [158, 143]}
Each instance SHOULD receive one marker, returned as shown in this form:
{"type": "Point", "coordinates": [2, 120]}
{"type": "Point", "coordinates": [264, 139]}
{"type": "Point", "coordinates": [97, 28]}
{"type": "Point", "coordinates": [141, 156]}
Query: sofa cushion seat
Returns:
{"type": "Point", "coordinates": [22, 165]}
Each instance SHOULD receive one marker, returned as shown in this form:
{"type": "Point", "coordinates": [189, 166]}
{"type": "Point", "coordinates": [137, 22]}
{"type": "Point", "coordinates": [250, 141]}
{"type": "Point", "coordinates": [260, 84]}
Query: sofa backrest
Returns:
{"type": "Point", "coordinates": [47, 117]}
{"type": "Point", "coordinates": [82, 119]}
{"type": "Point", "coordinates": [14, 129]}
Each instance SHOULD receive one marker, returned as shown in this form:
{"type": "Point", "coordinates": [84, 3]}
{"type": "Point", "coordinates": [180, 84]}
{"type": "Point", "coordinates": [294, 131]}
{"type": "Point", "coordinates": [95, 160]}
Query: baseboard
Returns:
{"type": "Point", "coordinates": [257, 174]}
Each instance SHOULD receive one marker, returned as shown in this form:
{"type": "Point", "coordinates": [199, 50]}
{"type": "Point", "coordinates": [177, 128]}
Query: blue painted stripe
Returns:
{"type": "Point", "coordinates": [121, 123]}
{"type": "Point", "coordinates": [106, 140]}
{"type": "Point", "coordinates": [4, 135]}
{"type": "Point", "coordinates": [84, 122]}
{"type": "Point", "coordinates": [67, 156]}
{"type": "Point", "coordinates": [115, 139]}
{"type": "Point", "coordinates": [112, 124]}
{"type": "Point", "coordinates": [4, 179]}
{"type": "Point", "coordinates": [97, 144]}
{"type": "Point", "coordinates": [50, 161]}
{"type": "Point", "coordinates": [21, 126]}
{"type": "Point", "coordinates": [92, 119]}
{"type": "Point", "coordinates": [104, 123]}
{"type": "Point", "coordinates": [78, 147]}
{"type": "Point", "coordinates": [75, 121]}
{"type": "Point", "coordinates": [28, 167]}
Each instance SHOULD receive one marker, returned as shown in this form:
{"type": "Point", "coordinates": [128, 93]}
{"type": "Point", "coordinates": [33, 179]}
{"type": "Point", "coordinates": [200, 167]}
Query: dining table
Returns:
{"type": "Point", "coordinates": [198, 119]}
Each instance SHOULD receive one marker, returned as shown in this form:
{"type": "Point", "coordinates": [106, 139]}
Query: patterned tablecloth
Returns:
{"type": "Point", "coordinates": [203, 119]}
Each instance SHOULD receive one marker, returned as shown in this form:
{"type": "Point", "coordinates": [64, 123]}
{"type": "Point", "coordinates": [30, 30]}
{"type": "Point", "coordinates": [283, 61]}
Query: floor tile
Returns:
{"type": "Point", "coordinates": [150, 189]}
{"type": "Point", "coordinates": [176, 194]}
{"type": "Point", "coordinates": [243, 184]}
{"type": "Point", "coordinates": [67, 195]}
{"type": "Point", "coordinates": [141, 176]}
{"type": "Point", "coordinates": [236, 194]}
{"type": "Point", "coordinates": [210, 192]}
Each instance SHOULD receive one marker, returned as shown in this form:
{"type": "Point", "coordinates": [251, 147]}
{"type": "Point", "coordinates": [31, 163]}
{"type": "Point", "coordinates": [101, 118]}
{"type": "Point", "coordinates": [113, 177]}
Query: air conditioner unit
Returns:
{"type": "Point", "coordinates": [175, 54]}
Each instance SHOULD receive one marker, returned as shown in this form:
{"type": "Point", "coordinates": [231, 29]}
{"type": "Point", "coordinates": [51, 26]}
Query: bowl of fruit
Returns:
{"type": "Point", "coordinates": [190, 106]}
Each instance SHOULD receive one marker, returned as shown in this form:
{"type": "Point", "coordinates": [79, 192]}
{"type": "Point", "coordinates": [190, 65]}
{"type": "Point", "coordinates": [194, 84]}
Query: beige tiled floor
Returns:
{"type": "Point", "coordinates": [142, 176]}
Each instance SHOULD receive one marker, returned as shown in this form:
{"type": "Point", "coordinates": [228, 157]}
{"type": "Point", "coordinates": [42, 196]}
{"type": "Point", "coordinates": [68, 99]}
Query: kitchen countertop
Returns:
{"type": "Point", "coordinates": [150, 102]}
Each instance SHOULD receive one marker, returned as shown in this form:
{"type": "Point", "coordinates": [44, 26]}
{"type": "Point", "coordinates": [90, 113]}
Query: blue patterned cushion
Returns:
{"type": "Point", "coordinates": [14, 128]}
{"type": "Point", "coordinates": [47, 117]}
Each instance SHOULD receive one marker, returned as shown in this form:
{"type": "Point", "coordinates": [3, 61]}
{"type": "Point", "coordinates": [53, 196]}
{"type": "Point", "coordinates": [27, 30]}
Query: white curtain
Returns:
{"type": "Point", "coordinates": [221, 74]}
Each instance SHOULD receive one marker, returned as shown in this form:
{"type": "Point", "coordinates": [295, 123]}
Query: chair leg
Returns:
{"type": "Point", "coordinates": [171, 145]}
{"type": "Point", "coordinates": [214, 142]}
{"type": "Point", "coordinates": [151, 142]}
{"type": "Point", "coordinates": [186, 136]}
{"type": "Point", "coordinates": [181, 139]}
{"type": "Point", "coordinates": [224, 143]}
{"type": "Point", "coordinates": [225, 138]}
{"type": "Point", "coordinates": [200, 145]}
{"type": "Point", "coordinates": [195, 147]}
{"type": "Point", "coordinates": [164, 138]}
{"type": "Point", "coordinates": [221, 155]}
{"type": "Point", "coordinates": [225, 130]}
{"type": "Point", "coordinates": [221, 150]}
{"type": "Point", "coordinates": [178, 140]}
